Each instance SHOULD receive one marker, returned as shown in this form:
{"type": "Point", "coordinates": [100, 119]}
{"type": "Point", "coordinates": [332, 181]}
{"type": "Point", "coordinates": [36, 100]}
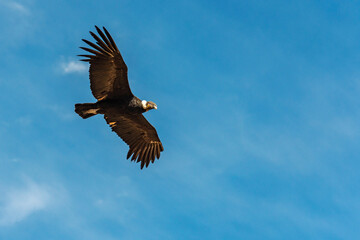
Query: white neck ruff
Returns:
{"type": "Point", "coordinates": [144, 102]}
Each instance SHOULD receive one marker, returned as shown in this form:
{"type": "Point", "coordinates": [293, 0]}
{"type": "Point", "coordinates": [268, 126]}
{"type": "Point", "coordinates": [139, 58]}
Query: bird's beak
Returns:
{"type": "Point", "coordinates": [155, 107]}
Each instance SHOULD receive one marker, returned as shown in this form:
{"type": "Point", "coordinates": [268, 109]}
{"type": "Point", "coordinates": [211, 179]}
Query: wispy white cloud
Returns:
{"type": "Point", "coordinates": [24, 20]}
{"type": "Point", "coordinates": [74, 67]}
{"type": "Point", "coordinates": [18, 7]}
{"type": "Point", "coordinates": [20, 203]}
{"type": "Point", "coordinates": [24, 121]}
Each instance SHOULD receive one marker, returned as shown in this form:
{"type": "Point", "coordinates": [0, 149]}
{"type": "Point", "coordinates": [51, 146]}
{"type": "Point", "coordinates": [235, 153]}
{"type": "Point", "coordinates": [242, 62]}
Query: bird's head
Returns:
{"type": "Point", "coordinates": [147, 105]}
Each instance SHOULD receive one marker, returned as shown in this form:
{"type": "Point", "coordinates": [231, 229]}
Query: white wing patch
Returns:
{"type": "Point", "coordinates": [91, 111]}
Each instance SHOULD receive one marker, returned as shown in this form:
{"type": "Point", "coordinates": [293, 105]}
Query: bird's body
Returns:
{"type": "Point", "coordinates": [121, 109]}
{"type": "Point", "coordinates": [122, 106]}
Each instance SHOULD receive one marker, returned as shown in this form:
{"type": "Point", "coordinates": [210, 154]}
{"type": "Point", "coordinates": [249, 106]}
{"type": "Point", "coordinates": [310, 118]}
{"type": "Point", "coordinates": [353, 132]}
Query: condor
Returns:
{"type": "Point", "coordinates": [121, 109]}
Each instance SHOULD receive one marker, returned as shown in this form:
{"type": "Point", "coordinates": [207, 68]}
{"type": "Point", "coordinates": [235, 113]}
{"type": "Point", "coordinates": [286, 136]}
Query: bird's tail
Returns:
{"type": "Point", "coordinates": [86, 110]}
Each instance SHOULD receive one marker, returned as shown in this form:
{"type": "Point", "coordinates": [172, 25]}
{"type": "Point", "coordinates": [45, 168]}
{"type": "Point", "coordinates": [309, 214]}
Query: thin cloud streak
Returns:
{"type": "Point", "coordinates": [17, 7]}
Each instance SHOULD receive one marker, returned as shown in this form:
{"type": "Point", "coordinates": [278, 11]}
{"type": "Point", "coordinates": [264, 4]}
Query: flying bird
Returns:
{"type": "Point", "coordinates": [121, 109]}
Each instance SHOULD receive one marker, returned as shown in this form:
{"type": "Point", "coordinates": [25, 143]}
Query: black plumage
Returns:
{"type": "Point", "coordinates": [121, 109]}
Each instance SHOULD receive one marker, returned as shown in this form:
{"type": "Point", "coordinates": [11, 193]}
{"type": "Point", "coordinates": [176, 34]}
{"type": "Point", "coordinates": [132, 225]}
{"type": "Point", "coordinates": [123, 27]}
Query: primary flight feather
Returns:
{"type": "Point", "coordinates": [121, 109]}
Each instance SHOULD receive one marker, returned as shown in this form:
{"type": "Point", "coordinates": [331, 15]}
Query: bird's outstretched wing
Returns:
{"type": "Point", "coordinates": [108, 71]}
{"type": "Point", "coordinates": [138, 133]}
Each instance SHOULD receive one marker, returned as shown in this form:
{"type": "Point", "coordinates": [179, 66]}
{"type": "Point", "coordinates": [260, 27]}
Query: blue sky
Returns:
{"type": "Point", "coordinates": [258, 111]}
